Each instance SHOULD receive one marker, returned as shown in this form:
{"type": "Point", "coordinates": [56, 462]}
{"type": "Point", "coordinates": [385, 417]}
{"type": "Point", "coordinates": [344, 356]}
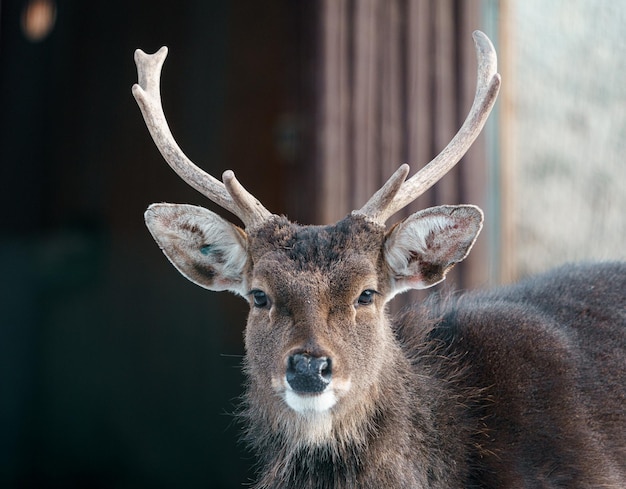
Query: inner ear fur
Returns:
{"type": "Point", "coordinates": [420, 250]}
{"type": "Point", "coordinates": [204, 247]}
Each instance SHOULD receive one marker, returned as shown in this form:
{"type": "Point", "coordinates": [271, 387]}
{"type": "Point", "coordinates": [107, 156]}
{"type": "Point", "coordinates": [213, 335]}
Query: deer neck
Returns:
{"type": "Point", "coordinates": [357, 447]}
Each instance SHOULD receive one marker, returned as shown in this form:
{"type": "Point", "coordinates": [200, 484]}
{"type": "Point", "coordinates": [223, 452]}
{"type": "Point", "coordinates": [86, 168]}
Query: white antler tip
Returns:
{"type": "Point", "coordinates": [481, 39]}
{"type": "Point", "coordinates": [149, 63]}
{"type": "Point", "coordinates": [142, 56]}
{"type": "Point", "coordinates": [137, 91]}
{"type": "Point", "coordinates": [228, 175]}
{"type": "Point", "coordinates": [148, 72]}
{"type": "Point", "coordinates": [478, 35]}
{"type": "Point", "coordinates": [162, 52]}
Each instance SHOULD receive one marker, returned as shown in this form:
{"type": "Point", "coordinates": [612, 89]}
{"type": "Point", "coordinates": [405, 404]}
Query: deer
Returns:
{"type": "Point", "coordinates": [521, 386]}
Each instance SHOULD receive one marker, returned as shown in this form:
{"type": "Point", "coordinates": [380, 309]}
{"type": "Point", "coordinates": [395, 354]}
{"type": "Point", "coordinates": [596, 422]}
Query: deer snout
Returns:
{"type": "Point", "coordinates": [308, 374]}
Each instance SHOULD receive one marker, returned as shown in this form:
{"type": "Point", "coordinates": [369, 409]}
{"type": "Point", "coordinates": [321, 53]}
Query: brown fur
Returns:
{"type": "Point", "coordinates": [523, 387]}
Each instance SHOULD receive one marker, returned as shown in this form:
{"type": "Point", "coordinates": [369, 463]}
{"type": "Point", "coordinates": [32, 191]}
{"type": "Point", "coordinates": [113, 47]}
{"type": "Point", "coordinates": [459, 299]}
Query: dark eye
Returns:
{"type": "Point", "coordinates": [366, 297]}
{"type": "Point", "coordinates": [259, 298]}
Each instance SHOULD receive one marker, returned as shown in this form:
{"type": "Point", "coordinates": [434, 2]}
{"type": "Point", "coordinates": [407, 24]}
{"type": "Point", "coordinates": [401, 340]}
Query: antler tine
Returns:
{"type": "Point", "coordinates": [487, 87]}
{"type": "Point", "coordinates": [231, 196]}
{"type": "Point", "coordinates": [383, 198]}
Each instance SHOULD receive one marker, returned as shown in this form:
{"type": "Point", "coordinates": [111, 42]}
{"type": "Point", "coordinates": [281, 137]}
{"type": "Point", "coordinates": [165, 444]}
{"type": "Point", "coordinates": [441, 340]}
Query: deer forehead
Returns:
{"type": "Point", "coordinates": [335, 257]}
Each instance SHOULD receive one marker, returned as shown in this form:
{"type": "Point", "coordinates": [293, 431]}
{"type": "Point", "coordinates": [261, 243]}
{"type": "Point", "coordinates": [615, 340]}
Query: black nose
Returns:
{"type": "Point", "coordinates": [308, 374]}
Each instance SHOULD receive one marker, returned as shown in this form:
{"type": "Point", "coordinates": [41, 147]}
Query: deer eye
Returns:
{"type": "Point", "coordinates": [366, 298]}
{"type": "Point", "coordinates": [259, 298]}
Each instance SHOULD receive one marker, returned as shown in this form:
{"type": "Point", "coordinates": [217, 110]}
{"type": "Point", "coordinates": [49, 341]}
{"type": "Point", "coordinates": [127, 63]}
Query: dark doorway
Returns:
{"type": "Point", "coordinates": [116, 371]}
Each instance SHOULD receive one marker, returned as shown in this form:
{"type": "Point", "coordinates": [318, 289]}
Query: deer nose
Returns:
{"type": "Point", "coordinates": [307, 374]}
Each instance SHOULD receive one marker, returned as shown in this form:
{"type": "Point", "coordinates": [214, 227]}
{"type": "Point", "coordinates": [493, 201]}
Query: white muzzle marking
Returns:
{"type": "Point", "coordinates": [311, 403]}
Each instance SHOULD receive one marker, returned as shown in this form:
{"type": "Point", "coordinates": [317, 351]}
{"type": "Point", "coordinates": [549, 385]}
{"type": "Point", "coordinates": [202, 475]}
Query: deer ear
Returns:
{"type": "Point", "coordinates": [205, 248]}
{"type": "Point", "coordinates": [421, 249]}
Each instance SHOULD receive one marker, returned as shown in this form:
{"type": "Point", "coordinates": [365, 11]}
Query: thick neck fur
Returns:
{"type": "Point", "coordinates": [384, 441]}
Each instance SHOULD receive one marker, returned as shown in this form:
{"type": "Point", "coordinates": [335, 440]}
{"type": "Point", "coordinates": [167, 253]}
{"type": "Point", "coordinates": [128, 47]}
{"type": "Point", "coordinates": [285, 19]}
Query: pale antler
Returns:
{"type": "Point", "coordinates": [230, 195]}
{"type": "Point", "coordinates": [397, 193]}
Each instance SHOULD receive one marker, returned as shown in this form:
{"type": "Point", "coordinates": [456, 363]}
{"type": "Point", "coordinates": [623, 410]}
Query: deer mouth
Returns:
{"type": "Point", "coordinates": [307, 403]}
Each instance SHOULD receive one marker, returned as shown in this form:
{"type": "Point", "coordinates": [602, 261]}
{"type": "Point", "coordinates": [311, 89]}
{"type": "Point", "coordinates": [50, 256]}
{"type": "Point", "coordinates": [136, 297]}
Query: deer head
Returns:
{"type": "Point", "coordinates": [317, 340]}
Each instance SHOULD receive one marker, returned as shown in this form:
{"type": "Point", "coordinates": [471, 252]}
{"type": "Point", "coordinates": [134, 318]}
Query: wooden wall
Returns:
{"type": "Point", "coordinates": [395, 81]}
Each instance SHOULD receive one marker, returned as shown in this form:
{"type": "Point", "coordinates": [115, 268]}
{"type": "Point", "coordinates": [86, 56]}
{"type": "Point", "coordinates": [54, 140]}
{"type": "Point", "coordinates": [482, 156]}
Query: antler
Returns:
{"type": "Point", "coordinates": [230, 195]}
{"type": "Point", "coordinates": [397, 193]}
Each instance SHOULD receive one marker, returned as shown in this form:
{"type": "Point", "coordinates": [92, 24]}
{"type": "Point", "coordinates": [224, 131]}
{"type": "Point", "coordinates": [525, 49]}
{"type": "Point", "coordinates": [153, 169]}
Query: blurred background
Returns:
{"type": "Point", "coordinates": [115, 372]}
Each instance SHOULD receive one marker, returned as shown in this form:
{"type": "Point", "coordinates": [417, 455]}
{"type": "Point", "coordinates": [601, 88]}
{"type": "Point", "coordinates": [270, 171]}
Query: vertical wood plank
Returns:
{"type": "Point", "coordinates": [445, 114]}
{"type": "Point", "coordinates": [419, 106]}
{"type": "Point", "coordinates": [390, 120]}
{"type": "Point", "coordinates": [332, 130]}
{"type": "Point", "coordinates": [472, 169]}
{"type": "Point", "coordinates": [364, 89]}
